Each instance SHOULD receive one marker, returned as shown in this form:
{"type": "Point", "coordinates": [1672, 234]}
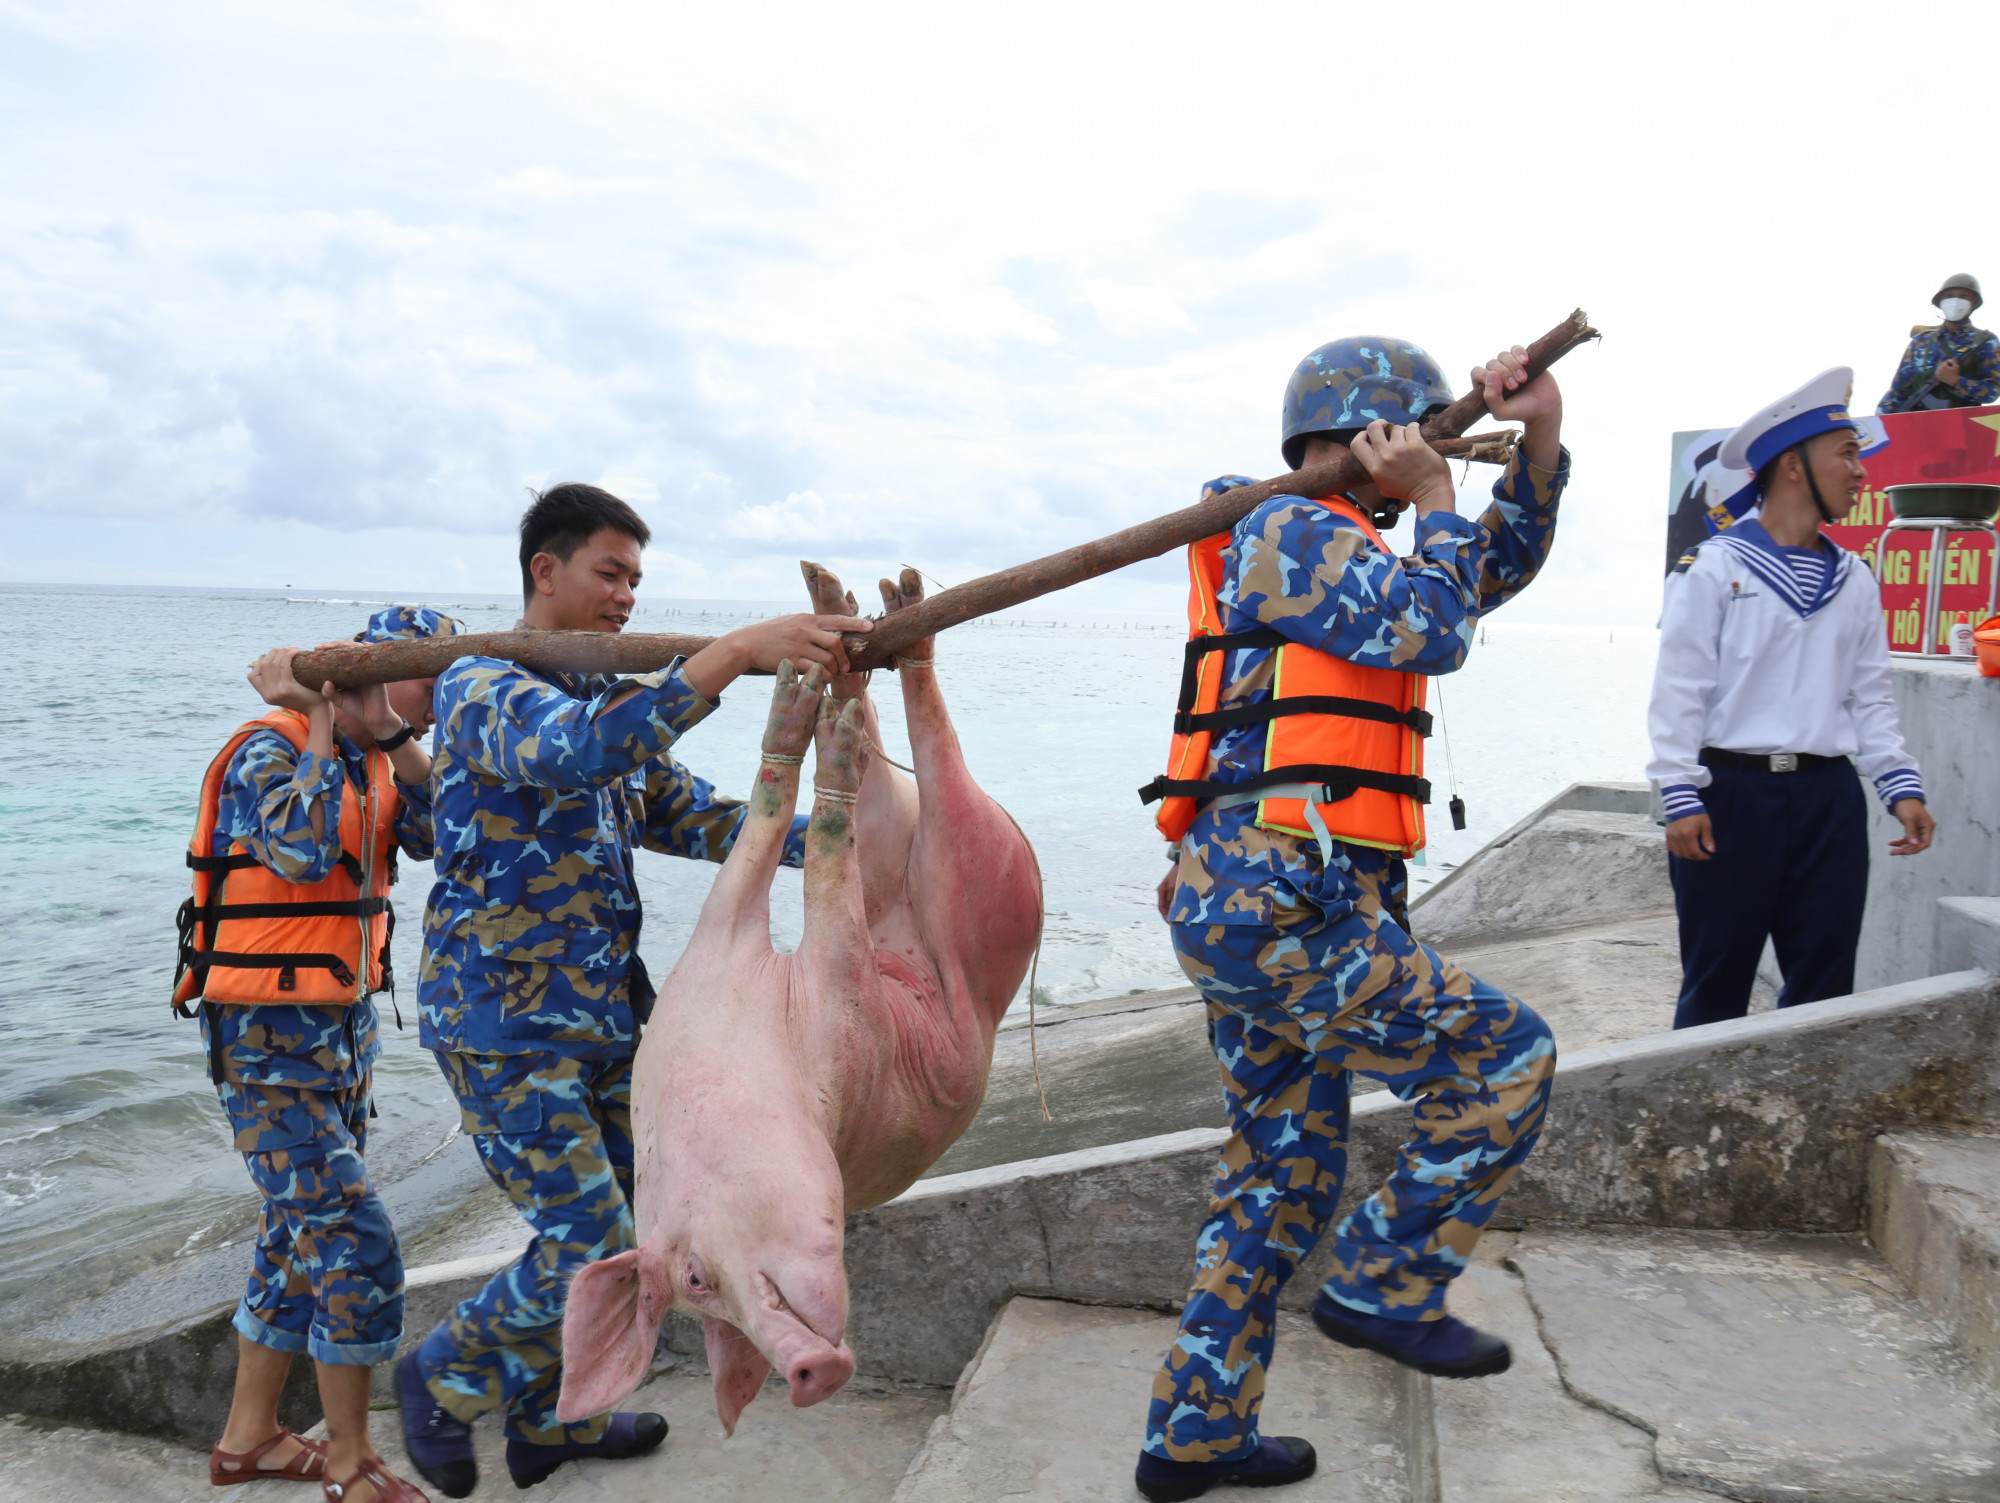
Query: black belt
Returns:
{"type": "Point", "coordinates": [1761, 762]}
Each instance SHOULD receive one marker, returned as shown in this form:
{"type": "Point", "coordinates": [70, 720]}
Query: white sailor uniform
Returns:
{"type": "Point", "coordinates": [1772, 688]}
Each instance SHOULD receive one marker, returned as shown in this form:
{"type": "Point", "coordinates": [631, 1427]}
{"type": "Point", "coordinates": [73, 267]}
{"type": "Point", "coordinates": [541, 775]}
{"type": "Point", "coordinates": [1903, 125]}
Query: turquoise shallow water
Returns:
{"type": "Point", "coordinates": [113, 1152]}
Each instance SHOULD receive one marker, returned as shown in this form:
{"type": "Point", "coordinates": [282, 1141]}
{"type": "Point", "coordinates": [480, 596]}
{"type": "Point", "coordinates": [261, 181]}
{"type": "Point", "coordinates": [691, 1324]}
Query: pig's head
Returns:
{"type": "Point", "coordinates": [750, 1242]}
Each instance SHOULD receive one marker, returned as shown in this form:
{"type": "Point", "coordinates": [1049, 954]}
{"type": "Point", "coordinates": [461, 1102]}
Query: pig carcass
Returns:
{"type": "Point", "coordinates": [775, 1093]}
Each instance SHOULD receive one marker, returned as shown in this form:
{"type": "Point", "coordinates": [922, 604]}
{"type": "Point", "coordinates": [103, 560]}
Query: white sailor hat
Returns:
{"type": "Point", "coordinates": [1820, 406]}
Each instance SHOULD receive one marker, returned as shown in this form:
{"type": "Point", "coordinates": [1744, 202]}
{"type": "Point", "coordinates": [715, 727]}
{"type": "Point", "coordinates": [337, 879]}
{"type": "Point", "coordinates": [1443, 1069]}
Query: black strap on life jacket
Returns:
{"type": "Point", "coordinates": [1186, 720]}
{"type": "Point", "coordinates": [231, 960]}
{"type": "Point", "coordinates": [206, 917]}
{"type": "Point", "coordinates": [1336, 783]}
{"type": "Point", "coordinates": [1418, 720]}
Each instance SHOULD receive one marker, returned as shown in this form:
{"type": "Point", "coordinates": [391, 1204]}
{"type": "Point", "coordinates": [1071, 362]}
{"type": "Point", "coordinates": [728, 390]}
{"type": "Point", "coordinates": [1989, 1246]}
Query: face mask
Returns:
{"type": "Point", "coordinates": [1955, 308]}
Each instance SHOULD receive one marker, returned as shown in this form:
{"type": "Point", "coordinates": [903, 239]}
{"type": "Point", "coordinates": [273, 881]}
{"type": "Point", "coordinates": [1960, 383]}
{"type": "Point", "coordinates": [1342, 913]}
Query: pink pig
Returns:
{"type": "Point", "coordinates": [773, 1094]}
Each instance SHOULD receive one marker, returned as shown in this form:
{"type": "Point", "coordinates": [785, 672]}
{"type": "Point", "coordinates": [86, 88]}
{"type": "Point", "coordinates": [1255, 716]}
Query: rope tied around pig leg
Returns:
{"type": "Point", "coordinates": [887, 758]}
{"type": "Point", "coordinates": [834, 795]}
{"type": "Point", "coordinates": [782, 759]}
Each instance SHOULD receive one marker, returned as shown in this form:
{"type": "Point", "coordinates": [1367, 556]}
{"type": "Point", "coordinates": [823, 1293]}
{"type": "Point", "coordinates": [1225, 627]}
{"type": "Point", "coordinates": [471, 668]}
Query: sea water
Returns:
{"type": "Point", "coordinates": [113, 1151]}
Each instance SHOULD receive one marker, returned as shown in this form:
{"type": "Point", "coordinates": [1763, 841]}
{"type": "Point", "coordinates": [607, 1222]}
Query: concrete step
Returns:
{"type": "Point", "coordinates": [1934, 1211]}
{"type": "Point", "coordinates": [854, 1448]}
{"type": "Point", "coordinates": [1522, 1437]}
{"type": "Point", "coordinates": [1765, 1366]}
{"type": "Point", "coordinates": [1053, 1408]}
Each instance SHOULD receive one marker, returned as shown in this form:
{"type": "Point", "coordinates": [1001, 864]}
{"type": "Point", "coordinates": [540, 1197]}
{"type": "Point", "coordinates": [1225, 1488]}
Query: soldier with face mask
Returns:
{"type": "Point", "coordinates": [1951, 365]}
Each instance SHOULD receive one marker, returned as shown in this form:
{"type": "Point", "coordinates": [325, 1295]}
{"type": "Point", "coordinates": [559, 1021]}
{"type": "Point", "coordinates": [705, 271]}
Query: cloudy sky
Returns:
{"type": "Point", "coordinates": [308, 294]}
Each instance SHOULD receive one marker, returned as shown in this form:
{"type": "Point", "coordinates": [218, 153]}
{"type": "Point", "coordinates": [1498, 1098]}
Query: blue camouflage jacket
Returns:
{"type": "Point", "coordinates": [268, 791]}
{"type": "Point", "coordinates": [1978, 355]}
{"type": "Point", "coordinates": [541, 791]}
{"type": "Point", "coordinates": [1296, 567]}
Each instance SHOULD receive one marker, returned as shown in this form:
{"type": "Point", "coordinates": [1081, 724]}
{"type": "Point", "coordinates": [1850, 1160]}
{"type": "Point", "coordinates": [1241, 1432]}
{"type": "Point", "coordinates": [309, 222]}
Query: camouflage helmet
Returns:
{"type": "Point", "coordinates": [399, 623]}
{"type": "Point", "coordinates": [1964, 281]}
{"type": "Point", "coordinates": [1348, 383]}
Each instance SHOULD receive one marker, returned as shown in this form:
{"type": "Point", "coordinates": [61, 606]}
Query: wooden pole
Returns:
{"type": "Point", "coordinates": [644, 652]}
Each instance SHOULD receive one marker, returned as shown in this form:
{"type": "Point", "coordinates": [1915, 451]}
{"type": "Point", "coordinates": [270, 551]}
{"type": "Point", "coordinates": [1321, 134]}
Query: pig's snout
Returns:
{"type": "Point", "coordinates": [819, 1375]}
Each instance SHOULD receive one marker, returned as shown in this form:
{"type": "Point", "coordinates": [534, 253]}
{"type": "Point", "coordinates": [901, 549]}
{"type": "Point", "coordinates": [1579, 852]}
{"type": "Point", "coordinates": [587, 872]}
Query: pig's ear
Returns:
{"type": "Point", "coordinates": [607, 1344]}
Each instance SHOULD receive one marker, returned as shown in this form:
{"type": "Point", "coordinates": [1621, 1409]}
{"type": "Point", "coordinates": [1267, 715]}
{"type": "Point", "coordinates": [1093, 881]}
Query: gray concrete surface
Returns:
{"type": "Point", "coordinates": [1968, 935]}
{"type": "Point", "coordinates": [1522, 1437]}
{"type": "Point", "coordinates": [1054, 1406]}
{"type": "Point", "coordinates": [47, 1463]}
{"type": "Point", "coordinates": [1951, 724]}
{"type": "Point", "coordinates": [1570, 869]}
{"type": "Point", "coordinates": [1934, 1211]}
{"type": "Point", "coordinates": [1766, 1366]}
{"type": "Point", "coordinates": [1605, 984]}
{"type": "Point", "coordinates": [1591, 855]}
{"type": "Point", "coordinates": [1113, 1070]}
{"type": "Point", "coordinates": [854, 1448]}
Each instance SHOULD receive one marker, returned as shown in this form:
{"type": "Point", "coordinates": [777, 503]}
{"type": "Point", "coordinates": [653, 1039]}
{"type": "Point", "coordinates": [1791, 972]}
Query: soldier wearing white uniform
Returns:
{"type": "Point", "coordinates": [1772, 689]}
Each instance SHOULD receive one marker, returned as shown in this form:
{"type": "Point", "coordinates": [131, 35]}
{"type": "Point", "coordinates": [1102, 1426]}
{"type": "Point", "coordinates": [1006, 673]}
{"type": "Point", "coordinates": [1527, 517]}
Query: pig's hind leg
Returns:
{"type": "Point", "coordinates": [972, 874]}
{"type": "Point", "coordinates": [836, 921]}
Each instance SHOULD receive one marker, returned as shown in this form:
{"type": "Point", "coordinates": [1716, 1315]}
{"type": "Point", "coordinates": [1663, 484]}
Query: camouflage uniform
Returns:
{"type": "Point", "coordinates": [1309, 972]}
{"type": "Point", "coordinates": [1978, 355]}
{"type": "Point", "coordinates": [532, 991]}
{"type": "Point", "coordinates": [327, 1277]}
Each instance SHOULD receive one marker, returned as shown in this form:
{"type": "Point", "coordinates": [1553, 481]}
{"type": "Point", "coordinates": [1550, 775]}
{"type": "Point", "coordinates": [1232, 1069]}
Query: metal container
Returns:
{"type": "Point", "coordinates": [1960, 501]}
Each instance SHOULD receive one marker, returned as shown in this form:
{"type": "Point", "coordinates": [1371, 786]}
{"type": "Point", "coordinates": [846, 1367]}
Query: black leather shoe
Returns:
{"type": "Point", "coordinates": [1281, 1459]}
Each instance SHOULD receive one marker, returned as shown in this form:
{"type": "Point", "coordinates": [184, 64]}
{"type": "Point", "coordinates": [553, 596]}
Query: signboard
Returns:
{"type": "Point", "coordinates": [1961, 443]}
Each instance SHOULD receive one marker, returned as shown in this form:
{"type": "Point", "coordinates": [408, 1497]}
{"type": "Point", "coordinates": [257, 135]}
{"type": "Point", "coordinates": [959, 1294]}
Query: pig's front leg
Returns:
{"type": "Point", "coordinates": [740, 900]}
{"type": "Point", "coordinates": [972, 875]}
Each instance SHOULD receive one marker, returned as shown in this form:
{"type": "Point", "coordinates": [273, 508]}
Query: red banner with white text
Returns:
{"type": "Point", "coordinates": [1952, 444]}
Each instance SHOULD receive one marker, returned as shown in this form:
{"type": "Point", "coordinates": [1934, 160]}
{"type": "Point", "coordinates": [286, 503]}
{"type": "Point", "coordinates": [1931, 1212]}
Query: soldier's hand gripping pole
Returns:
{"type": "Point", "coordinates": [635, 652]}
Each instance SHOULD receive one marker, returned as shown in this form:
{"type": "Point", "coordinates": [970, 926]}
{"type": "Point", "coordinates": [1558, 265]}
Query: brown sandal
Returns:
{"type": "Point", "coordinates": [309, 1465]}
{"type": "Point", "coordinates": [388, 1488]}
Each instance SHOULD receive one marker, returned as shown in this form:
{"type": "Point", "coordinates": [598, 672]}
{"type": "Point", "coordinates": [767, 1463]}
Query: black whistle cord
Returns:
{"type": "Point", "coordinates": [1457, 804]}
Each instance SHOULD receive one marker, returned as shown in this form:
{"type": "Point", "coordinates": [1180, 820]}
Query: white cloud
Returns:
{"type": "Point", "coordinates": [943, 285]}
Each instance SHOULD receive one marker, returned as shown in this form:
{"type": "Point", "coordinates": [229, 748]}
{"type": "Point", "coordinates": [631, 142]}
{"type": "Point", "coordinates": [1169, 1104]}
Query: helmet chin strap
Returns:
{"type": "Point", "coordinates": [1812, 481]}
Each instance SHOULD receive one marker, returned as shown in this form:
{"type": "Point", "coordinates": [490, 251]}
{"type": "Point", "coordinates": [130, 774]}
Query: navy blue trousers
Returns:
{"type": "Point", "coordinates": [1790, 865]}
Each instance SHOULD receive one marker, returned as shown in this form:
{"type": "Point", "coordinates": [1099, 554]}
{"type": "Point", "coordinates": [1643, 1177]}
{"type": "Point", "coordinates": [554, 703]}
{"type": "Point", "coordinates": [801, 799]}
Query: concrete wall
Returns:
{"type": "Point", "coordinates": [1951, 721]}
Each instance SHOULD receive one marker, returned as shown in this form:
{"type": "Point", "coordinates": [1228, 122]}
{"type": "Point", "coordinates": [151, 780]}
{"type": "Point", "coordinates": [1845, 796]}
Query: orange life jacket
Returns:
{"type": "Point", "coordinates": [269, 940]}
{"type": "Point", "coordinates": [1353, 732]}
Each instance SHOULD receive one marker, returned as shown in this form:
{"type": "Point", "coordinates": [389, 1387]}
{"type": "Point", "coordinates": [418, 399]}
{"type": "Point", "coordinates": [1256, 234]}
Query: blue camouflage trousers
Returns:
{"type": "Point", "coordinates": [1290, 1013]}
{"type": "Point", "coordinates": [327, 1275]}
{"type": "Point", "coordinates": [555, 1133]}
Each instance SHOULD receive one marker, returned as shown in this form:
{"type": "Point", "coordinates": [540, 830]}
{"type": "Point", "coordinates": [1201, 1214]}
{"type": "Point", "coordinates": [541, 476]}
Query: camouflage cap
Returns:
{"type": "Point", "coordinates": [1349, 383]}
{"type": "Point", "coordinates": [399, 623]}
